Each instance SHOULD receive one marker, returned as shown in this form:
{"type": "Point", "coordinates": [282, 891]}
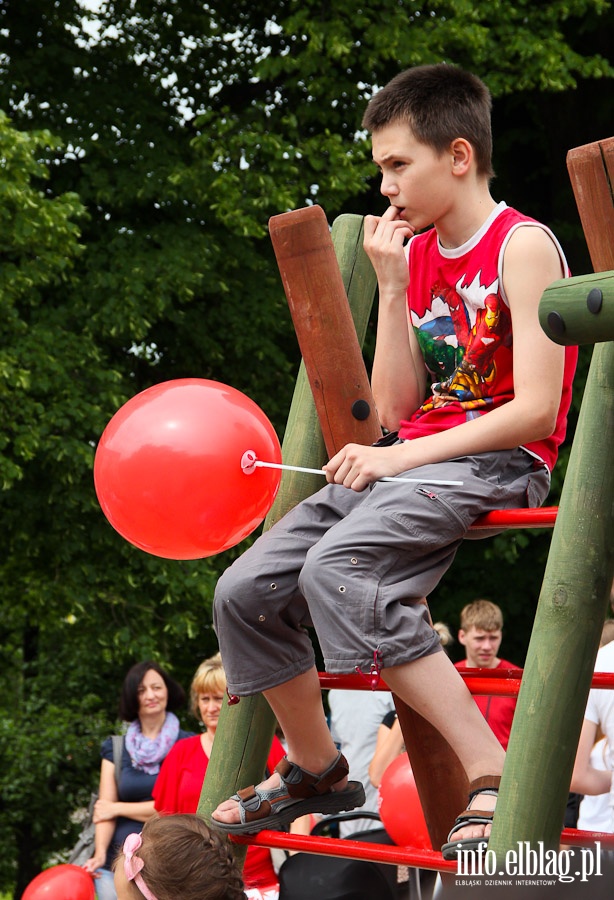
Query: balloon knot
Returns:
{"type": "Point", "coordinates": [248, 462]}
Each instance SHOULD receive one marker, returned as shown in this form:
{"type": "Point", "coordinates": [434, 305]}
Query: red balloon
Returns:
{"type": "Point", "coordinates": [168, 470]}
{"type": "Point", "coordinates": [399, 806]}
{"type": "Point", "coordinates": [65, 882]}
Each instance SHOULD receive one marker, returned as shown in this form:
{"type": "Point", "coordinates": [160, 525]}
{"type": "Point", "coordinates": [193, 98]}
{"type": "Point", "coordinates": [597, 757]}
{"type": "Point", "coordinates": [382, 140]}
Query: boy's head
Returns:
{"type": "Point", "coordinates": [439, 103]}
{"type": "Point", "coordinates": [480, 633]}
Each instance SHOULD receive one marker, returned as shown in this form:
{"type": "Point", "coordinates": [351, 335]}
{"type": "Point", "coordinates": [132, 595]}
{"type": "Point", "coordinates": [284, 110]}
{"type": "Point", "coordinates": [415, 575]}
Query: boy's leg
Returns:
{"type": "Point", "coordinates": [259, 612]}
{"type": "Point", "coordinates": [364, 578]}
{"type": "Point", "coordinates": [297, 705]}
{"type": "Point", "coordinates": [435, 689]}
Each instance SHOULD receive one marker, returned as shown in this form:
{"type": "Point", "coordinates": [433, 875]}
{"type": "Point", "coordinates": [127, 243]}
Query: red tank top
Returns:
{"type": "Point", "coordinates": [462, 321]}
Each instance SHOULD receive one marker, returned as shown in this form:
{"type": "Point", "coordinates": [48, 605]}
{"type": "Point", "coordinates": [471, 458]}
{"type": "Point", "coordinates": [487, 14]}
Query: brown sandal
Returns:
{"type": "Point", "coordinates": [487, 784]}
{"type": "Point", "coordinates": [300, 792]}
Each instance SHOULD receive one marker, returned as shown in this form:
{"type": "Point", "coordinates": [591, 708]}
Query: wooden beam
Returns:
{"type": "Point", "coordinates": [245, 730]}
{"type": "Point", "coordinates": [591, 170]}
{"type": "Point", "coordinates": [324, 327]}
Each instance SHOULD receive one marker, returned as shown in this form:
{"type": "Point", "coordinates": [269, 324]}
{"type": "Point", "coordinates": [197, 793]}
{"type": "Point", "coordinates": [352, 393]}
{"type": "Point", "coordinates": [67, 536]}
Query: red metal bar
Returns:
{"type": "Point", "coordinates": [393, 854]}
{"type": "Point", "coordinates": [573, 837]}
{"type": "Point", "coordinates": [348, 849]}
{"type": "Point", "coordinates": [542, 517]}
{"type": "Point", "coordinates": [502, 682]}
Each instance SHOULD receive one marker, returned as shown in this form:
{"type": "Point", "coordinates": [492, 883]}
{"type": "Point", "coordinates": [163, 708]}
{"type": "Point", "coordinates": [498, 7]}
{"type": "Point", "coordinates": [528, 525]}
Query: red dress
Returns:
{"type": "Point", "coordinates": [178, 788]}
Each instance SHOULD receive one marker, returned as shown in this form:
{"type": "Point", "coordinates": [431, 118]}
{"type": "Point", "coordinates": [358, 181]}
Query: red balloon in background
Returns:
{"type": "Point", "coordinates": [65, 882]}
{"type": "Point", "coordinates": [168, 470]}
{"type": "Point", "coordinates": [399, 806]}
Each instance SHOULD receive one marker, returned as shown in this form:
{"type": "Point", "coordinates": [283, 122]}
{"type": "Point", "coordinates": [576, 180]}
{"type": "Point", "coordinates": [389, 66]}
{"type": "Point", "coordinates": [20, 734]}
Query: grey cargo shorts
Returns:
{"type": "Point", "coordinates": [354, 565]}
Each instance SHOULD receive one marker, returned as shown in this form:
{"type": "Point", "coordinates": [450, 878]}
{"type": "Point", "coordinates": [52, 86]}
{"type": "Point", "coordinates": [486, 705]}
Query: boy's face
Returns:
{"type": "Point", "coordinates": [481, 647]}
{"type": "Point", "coordinates": [414, 178]}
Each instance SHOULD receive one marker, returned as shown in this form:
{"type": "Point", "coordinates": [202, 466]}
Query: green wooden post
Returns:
{"type": "Point", "coordinates": [565, 637]}
{"type": "Point", "coordinates": [579, 310]}
{"type": "Point", "coordinates": [573, 600]}
{"type": "Point", "coordinates": [245, 730]}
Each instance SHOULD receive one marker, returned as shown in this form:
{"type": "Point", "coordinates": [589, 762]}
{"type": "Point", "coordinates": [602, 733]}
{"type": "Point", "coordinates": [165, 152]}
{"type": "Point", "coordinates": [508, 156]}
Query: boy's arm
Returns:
{"type": "Point", "coordinates": [531, 263]}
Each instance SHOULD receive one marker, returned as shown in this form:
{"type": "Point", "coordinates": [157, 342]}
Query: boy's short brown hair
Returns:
{"type": "Point", "coordinates": [439, 103]}
{"type": "Point", "coordinates": [481, 614]}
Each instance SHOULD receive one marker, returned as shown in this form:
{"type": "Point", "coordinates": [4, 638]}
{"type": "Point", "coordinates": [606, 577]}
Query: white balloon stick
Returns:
{"type": "Point", "coordinates": [249, 462]}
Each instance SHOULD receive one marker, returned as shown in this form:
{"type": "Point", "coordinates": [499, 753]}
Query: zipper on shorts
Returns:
{"type": "Point", "coordinates": [432, 495]}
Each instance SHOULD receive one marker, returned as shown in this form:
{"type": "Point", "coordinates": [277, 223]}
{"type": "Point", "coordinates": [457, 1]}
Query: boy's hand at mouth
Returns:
{"type": "Point", "coordinates": [384, 243]}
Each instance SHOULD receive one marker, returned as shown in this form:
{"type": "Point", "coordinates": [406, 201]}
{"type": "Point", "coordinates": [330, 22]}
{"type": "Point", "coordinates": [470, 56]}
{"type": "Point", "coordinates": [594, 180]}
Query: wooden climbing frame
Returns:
{"type": "Point", "coordinates": [320, 273]}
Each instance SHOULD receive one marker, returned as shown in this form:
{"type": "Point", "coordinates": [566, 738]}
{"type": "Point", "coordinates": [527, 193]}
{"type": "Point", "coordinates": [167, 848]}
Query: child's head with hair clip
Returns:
{"type": "Point", "coordinates": [177, 858]}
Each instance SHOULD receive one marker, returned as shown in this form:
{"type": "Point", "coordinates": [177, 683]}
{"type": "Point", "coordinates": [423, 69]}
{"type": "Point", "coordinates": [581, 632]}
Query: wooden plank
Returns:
{"type": "Point", "coordinates": [440, 779]}
{"type": "Point", "coordinates": [591, 170]}
{"type": "Point", "coordinates": [303, 444]}
{"type": "Point", "coordinates": [324, 328]}
{"type": "Point", "coordinates": [239, 754]}
{"type": "Point", "coordinates": [565, 637]}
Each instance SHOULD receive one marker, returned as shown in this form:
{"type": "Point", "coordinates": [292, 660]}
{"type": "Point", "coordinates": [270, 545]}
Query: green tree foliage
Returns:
{"type": "Point", "coordinates": [143, 148]}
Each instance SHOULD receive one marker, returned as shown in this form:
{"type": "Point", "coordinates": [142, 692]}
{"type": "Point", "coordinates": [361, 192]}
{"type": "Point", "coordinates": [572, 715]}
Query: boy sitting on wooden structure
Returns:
{"type": "Point", "coordinates": [458, 312]}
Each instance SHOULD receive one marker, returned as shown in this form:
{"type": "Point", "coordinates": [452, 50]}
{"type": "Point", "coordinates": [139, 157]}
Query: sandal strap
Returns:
{"type": "Point", "coordinates": [486, 784]}
{"type": "Point", "coordinates": [296, 784]}
{"type": "Point", "coordinates": [301, 784]}
{"type": "Point", "coordinates": [464, 819]}
{"type": "Point", "coordinates": [256, 804]}
{"type": "Point", "coordinates": [480, 813]}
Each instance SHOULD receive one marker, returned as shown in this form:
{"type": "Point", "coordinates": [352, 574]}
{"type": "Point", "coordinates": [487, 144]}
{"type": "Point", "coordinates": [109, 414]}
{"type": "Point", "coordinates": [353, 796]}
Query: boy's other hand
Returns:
{"type": "Point", "coordinates": [356, 466]}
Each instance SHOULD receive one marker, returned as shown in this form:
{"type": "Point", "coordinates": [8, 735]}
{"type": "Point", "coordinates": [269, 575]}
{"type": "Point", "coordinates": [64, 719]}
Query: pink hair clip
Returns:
{"type": "Point", "coordinates": [133, 864]}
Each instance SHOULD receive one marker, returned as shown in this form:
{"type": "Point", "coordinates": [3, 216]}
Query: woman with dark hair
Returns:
{"type": "Point", "coordinates": [148, 701]}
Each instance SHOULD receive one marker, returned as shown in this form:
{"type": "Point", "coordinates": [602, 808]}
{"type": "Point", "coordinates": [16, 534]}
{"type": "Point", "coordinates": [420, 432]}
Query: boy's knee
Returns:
{"type": "Point", "coordinates": [233, 594]}
{"type": "Point", "coordinates": [310, 581]}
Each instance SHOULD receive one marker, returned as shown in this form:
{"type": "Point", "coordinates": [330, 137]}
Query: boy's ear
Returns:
{"type": "Point", "coordinates": [462, 156]}
{"type": "Point", "coordinates": [461, 636]}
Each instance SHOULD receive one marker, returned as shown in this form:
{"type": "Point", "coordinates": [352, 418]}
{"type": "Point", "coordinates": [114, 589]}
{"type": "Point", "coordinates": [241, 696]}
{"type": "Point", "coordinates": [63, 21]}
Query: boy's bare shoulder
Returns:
{"type": "Point", "coordinates": [531, 262]}
{"type": "Point", "coordinates": [532, 243]}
